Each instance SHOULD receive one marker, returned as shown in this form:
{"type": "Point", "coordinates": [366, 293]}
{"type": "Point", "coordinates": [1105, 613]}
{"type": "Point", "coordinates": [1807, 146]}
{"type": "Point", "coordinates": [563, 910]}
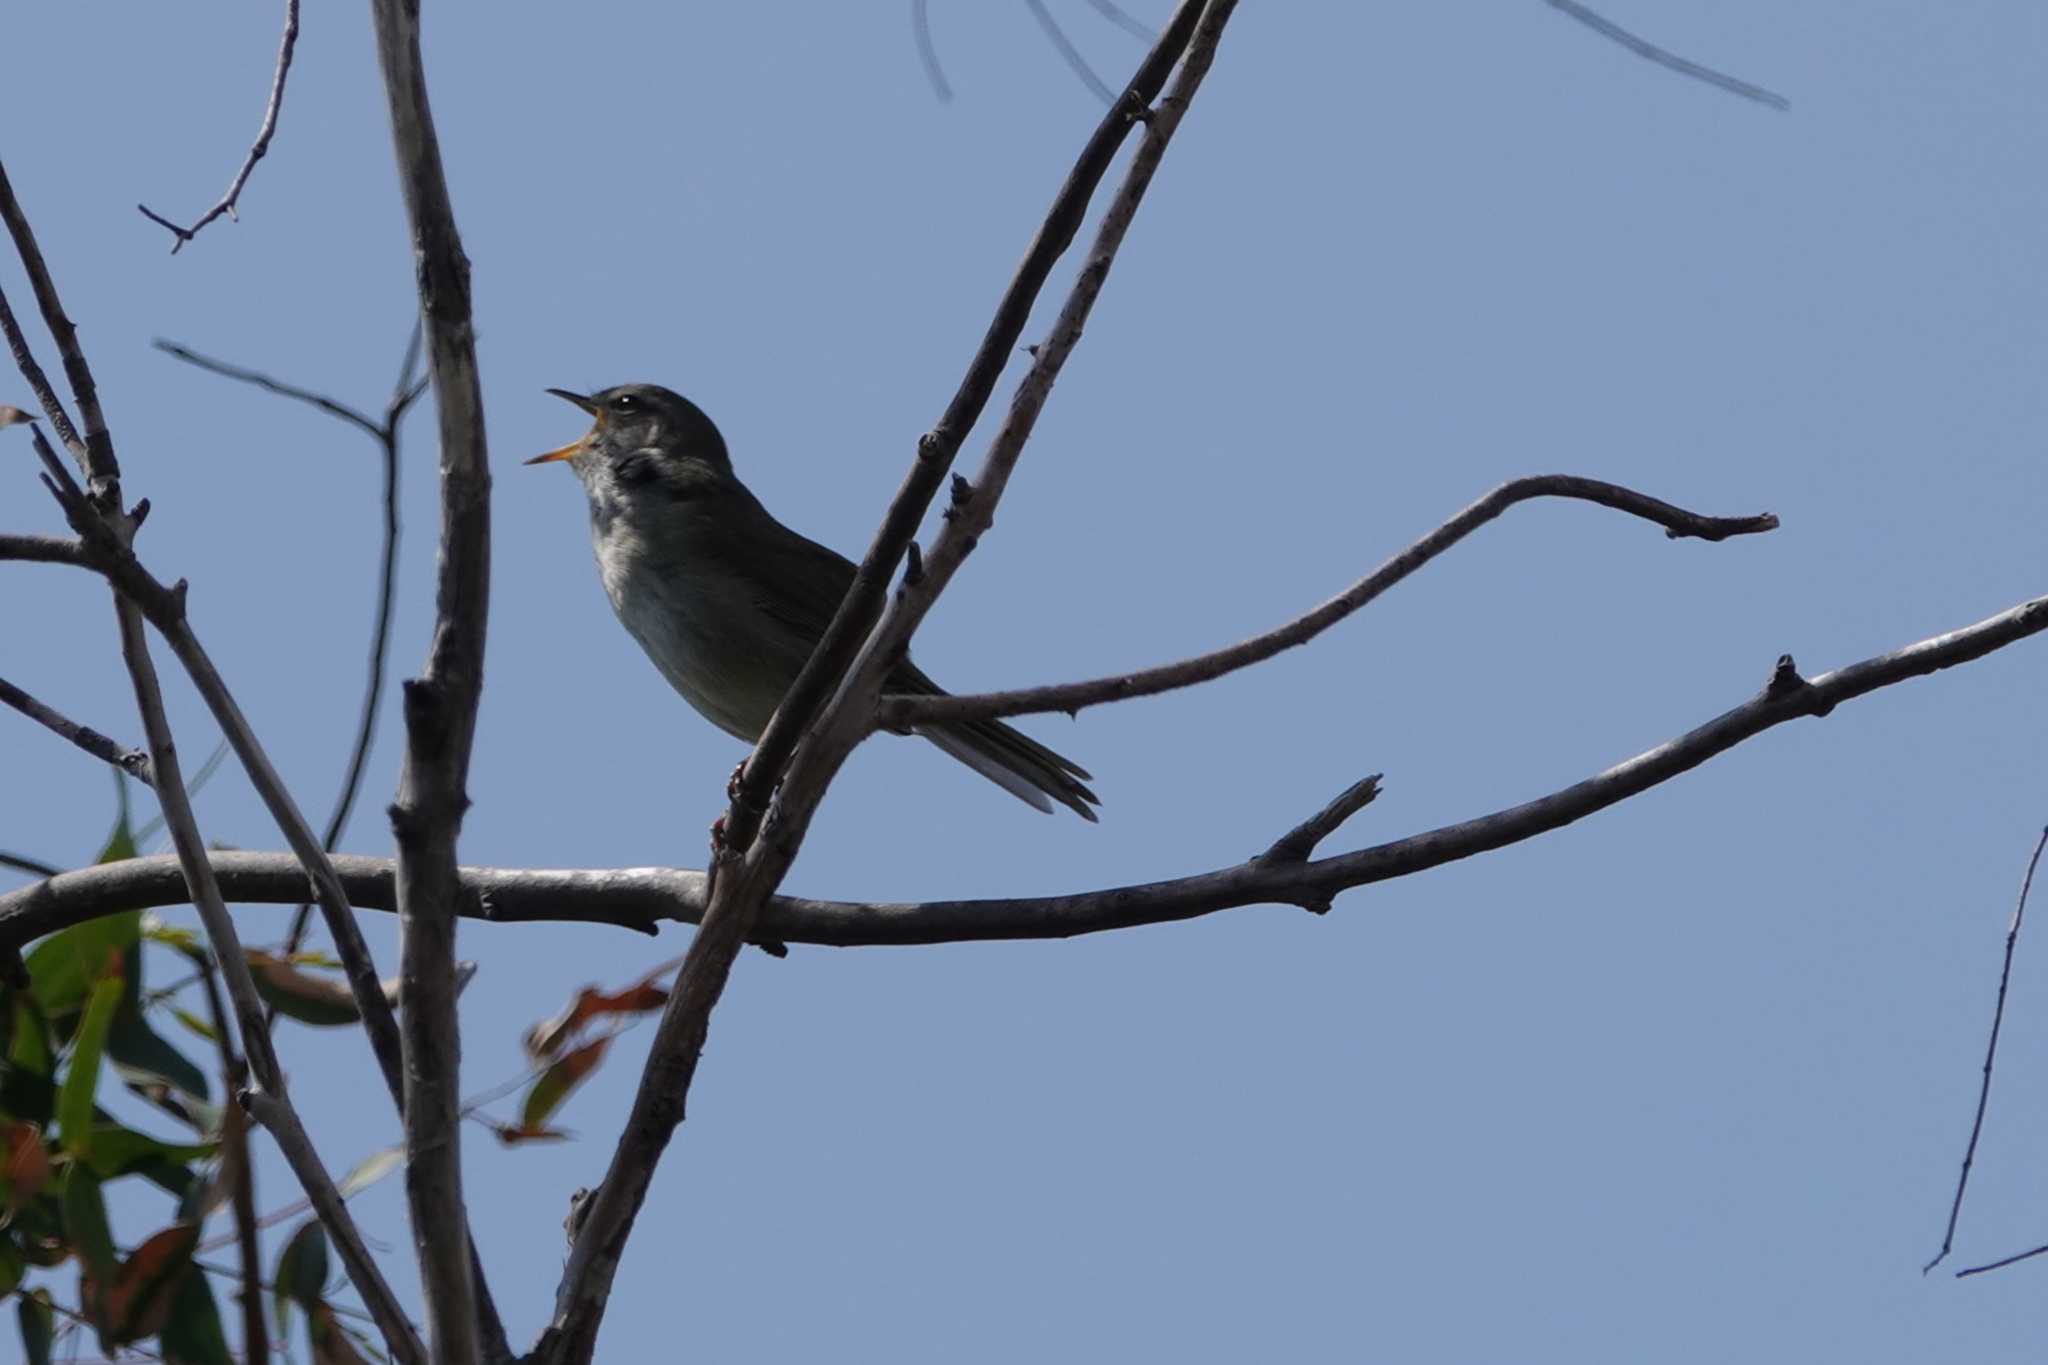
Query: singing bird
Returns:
{"type": "Point", "coordinates": [726, 600]}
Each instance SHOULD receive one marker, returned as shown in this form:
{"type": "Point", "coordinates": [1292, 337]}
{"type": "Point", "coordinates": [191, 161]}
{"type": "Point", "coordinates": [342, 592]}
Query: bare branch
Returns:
{"type": "Point", "coordinates": [927, 52]}
{"type": "Point", "coordinates": [1298, 845]}
{"type": "Point", "coordinates": [847, 719]}
{"type": "Point", "coordinates": [1069, 54]}
{"type": "Point", "coordinates": [134, 762]}
{"type": "Point", "coordinates": [898, 712]}
{"type": "Point", "coordinates": [1607, 28]}
{"type": "Point", "coordinates": [45, 550]}
{"type": "Point", "coordinates": [440, 720]}
{"type": "Point", "coordinates": [225, 207]}
{"type": "Point", "coordinates": [235, 1156]}
{"type": "Point", "coordinates": [643, 897]}
{"type": "Point", "coordinates": [747, 870]}
{"type": "Point", "coordinates": [1122, 19]}
{"type": "Point", "coordinates": [332, 407]}
{"type": "Point", "coordinates": [385, 433]}
{"type": "Point", "coordinates": [864, 601]}
{"type": "Point", "coordinates": [95, 454]}
{"type": "Point", "coordinates": [2012, 942]}
{"type": "Point", "coordinates": [268, 1099]}
{"type": "Point", "coordinates": [33, 866]}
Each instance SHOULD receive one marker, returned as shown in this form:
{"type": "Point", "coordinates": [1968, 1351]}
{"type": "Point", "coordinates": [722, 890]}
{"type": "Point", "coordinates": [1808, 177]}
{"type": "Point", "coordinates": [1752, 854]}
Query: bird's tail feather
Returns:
{"type": "Point", "coordinates": [1017, 763]}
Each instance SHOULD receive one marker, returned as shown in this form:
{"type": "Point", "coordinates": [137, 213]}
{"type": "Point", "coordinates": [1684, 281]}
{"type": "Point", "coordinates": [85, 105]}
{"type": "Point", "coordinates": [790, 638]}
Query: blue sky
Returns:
{"type": "Point", "coordinates": [1685, 1081]}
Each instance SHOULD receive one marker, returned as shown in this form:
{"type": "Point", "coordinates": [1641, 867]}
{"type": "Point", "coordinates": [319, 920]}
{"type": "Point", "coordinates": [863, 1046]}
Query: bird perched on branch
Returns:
{"type": "Point", "coordinates": [726, 600]}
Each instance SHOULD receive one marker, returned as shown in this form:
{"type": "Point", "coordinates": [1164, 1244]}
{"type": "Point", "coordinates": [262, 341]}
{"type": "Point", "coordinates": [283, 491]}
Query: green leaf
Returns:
{"type": "Point", "coordinates": [28, 1042]}
{"type": "Point", "coordinates": [81, 1080]}
{"type": "Point", "coordinates": [63, 966]}
{"type": "Point", "coordinates": [296, 995]}
{"type": "Point", "coordinates": [13, 1265]}
{"type": "Point", "coordinates": [118, 1151]}
{"type": "Point", "coordinates": [38, 1327]}
{"type": "Point", "coordinates": [194, 1024]}
{"type": "Point", "coordinates": [121, 841]}
{"type": "Point", "coordinates": [301, 1274]}
{"type": "Point", "coordinates": [138, 1048]}
{"type": "Point", "coordinates": [192, 1335]}
{"type": "Point", "coordinates": [185, 939]}
{"type": "Point", "coordinates": [85, 1223]}
{"type": "Point", "coordinates": [556, 1082]}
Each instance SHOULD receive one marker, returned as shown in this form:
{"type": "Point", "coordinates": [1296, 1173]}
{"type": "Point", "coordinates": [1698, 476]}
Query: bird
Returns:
{"type": "Point", "coordinates": [728, 602]}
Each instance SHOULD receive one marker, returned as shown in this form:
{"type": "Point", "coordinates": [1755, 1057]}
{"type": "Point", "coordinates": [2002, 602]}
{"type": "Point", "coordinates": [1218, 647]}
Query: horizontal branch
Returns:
{"type": "Point", "coordinates": [902, 712]}
{"type": "Point", "coordinates": [641, 898]}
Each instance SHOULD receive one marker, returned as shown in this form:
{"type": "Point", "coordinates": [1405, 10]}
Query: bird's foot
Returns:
{"type": "Point", "coordinates": [732, 784]}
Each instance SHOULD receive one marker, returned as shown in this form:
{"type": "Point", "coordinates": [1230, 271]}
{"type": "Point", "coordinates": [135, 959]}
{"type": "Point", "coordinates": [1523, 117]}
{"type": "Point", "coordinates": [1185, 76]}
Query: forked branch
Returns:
{"type": "Point", "coordinates": [902, 712]}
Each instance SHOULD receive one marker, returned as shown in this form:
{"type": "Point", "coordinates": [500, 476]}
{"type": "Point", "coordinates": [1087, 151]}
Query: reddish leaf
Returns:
{"type": "Point", "coordinates": [547, 1038]}
{"type": "Point", "coordinates": [555, 1083]}
{"type": "Point", "coordinates": [512, 1134]}
{"type": "Point", "coordinates": [138, 1302]}
{"type": "Point", "coordinates": [331, 1345]}
{"type": "Point", "coordinates": [26, 1163]}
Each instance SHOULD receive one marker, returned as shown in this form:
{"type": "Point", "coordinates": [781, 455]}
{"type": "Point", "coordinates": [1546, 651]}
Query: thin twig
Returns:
{"type": "Point", "coordinates": [385, 432]}
{"type": "Point", "coordinates": [648, 896]}
{"type": "Point", "coordinates": [1649, 51]}
{"type": "Point", "coordinates": [1678, 523]}
{"type": "Point", "coordinates": [95, 452]}
{"type": "Point", "coordinates": [132, 761]}
{"type": "Point", "coordinates": [1124, 20]}
{"type": "Point", "coordinates": [2012, 943]}
{"type": "Point", "coordinates": [1298, 845]}
{"type": "Point", "coordinates": [235, 1154]}
{"type": "Point", "coordinates": [1070, 54]}
{"type": "Point", "coordinates": [226, 205]}
{"type": "Point", "coordinates": [35, 867]}
{"type": "Point", "coordinates": [927, 51]}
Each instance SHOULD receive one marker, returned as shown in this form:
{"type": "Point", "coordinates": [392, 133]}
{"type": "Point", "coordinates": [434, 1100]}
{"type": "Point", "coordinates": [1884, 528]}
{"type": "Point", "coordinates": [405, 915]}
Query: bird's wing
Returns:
{"type": "Point", "coordinates": [797, 582]}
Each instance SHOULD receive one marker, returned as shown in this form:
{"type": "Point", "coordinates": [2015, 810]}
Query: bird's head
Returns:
{"type": "Point", "coordinates": [643, 437]}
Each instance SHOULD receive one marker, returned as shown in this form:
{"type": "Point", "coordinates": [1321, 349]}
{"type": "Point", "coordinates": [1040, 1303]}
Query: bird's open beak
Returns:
{"type": "Point", "coordinates": [575, 447]}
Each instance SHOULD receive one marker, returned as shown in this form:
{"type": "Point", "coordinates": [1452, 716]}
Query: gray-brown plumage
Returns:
{"type": "Point", "coordinates": [726, 600]}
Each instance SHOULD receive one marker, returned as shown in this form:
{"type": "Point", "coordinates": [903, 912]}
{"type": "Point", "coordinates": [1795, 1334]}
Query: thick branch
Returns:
{"type": "Point", "coordinates": [225, 207]}
{"type": "Point", "coordinates": [864, 601]}
{"type": "Point", "coordinates": [267, 1099]}
{"type": "Point", "coordinates": [643, 897]}
{"type": "Point", "coordinates": [902, 712]}
{"type": "Point", "coordinates": [134, 762]}
{"type": "Point", "coordinates": [440, 720]}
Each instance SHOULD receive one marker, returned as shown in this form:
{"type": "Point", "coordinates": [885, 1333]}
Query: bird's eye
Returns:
{"type": "Point", "coordinates": [625, 402]}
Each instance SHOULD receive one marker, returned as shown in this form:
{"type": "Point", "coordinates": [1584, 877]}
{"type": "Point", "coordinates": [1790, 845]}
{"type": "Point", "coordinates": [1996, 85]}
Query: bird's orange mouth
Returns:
{"type": "Point", "coordinates": [576, 447]}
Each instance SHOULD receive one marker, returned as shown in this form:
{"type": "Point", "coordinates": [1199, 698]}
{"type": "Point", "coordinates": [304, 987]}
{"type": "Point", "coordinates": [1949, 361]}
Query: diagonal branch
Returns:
{"type": "Point", "coordinates": [643, 897]}
{"type": "Point", "coordinates": [95, 451]}
{"type": "Point", "coordinates": [747, 875]}
{"type": "Point", "coordinates": [440, 721]}
{"type": "Point", "coordinates": [864, 601]}
{"type": "Point", "coordinates": [900, 712]}
{"type": "Point", "coordinates": [267, 1100]}
{"type": "Point", "coordinates": [134, 762]}
{"type": "Point", "coordinates": [2012, 943]}
{"type": "Point", "coordinates": [850, 716]}
{"type": "Point", "coordinates": [385, 432]}
{"type": "Point", "coordinates": [225, 206]}
{"type": "Point", "coordinates": [1649, 51]}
